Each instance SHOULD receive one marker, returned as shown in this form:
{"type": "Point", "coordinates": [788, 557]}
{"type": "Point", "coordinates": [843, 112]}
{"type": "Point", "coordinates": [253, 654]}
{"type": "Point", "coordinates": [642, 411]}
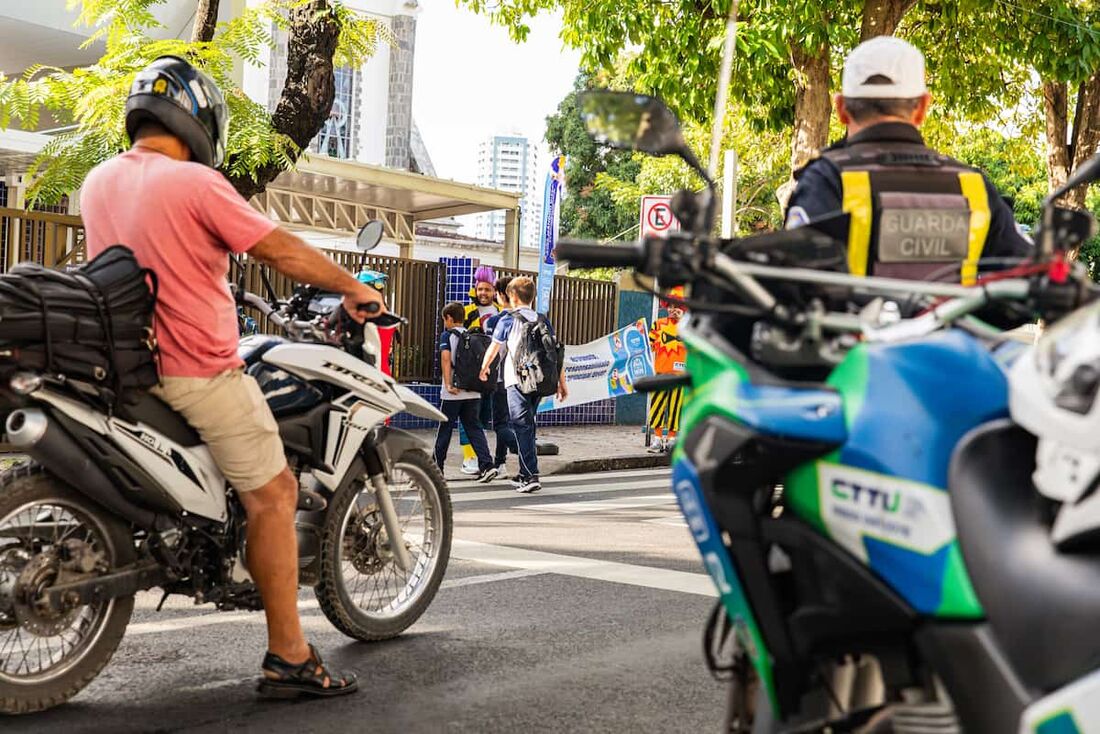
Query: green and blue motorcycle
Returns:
{"type": "Point", "coordinates": [854, 481]}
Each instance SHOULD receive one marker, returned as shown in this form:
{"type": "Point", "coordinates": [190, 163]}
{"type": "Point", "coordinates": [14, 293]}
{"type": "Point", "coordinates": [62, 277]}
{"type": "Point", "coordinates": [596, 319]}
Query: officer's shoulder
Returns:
{"type": "Point", "coordinates": [819, 164]}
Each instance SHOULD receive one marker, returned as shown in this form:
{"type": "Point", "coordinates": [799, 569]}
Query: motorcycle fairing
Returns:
{"type": "Point", "coordinates": [1074, 709]}
{"type": "Point", "coordinates": [882, 494]}
{"type": "Point", "coordinates": [188, 474]}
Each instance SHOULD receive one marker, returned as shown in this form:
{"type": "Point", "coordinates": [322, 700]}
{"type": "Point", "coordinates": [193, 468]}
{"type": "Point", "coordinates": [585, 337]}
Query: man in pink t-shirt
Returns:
{"type": "Point", "coordinates": [165, 200]}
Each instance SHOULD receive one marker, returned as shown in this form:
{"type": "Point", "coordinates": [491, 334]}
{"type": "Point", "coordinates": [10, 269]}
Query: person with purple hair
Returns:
{"type": "Point", "coordinates": [482, 305]}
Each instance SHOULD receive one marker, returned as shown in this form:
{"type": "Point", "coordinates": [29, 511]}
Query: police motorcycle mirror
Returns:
{"type": "Point", "coordinates": [630, 121]}
{"type": "Point", "coordinates": [370, 234]}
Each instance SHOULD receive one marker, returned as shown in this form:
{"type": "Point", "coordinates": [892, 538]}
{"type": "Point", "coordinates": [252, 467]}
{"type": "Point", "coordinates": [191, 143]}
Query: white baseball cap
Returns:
{"type": "Point", "coordinates": [884, 67]}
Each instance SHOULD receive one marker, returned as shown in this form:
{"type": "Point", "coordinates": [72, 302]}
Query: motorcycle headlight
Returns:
{"type": "Point", "coordinates": [1068, 360]}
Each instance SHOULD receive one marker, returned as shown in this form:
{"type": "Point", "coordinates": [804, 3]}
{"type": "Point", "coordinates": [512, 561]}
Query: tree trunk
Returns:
{"type": "Point", "coordinates": [1065, 153]}
{"type": "Point", "coordinates": [310, 86]}
{"type": "Point", "coordinates": [812, 107]}
{"type": "Point", "coordinates": [1056, 109]}
{"type": "Point", "coordinates": [881, 17]}
{"type": "Point", "coordinates": [206, 20]}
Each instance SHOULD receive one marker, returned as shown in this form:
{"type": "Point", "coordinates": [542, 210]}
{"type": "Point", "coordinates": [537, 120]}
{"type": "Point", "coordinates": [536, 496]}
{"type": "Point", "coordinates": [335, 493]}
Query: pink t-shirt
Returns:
{"type": "Point", "coordinates": [182, 220]}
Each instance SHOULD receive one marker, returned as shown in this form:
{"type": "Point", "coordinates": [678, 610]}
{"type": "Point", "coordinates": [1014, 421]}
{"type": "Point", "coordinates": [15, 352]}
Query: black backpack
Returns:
{"type": "Point", "coordinates": [537, 356]}
{"type": "Point", "coordinates": [466, 361]}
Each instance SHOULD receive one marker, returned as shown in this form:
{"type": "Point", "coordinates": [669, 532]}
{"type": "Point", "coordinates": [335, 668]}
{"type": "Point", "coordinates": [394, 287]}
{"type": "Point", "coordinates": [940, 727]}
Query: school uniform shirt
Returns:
{"type": "Point", "coordinates": [448, 342]}
{"type": "Point", "coordinates": [490, 326]}
{"type": "Point", "coordinates": [508, 337]}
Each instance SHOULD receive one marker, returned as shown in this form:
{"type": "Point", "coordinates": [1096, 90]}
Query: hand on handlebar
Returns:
{"type": "Point", "coordinates": [364, 302]}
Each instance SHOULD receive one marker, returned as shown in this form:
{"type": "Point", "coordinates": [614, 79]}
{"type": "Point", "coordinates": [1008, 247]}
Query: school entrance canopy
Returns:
{"type": "Point", "coordinates": [330, 195]}
{"type": "Point", "coordinates": [321, 194]}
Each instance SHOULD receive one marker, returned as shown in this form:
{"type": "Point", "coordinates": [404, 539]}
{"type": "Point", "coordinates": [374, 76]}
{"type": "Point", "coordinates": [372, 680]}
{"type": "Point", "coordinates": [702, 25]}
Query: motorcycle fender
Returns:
{"type": "Point", "coordinates": [389, 444]}
{"type": "Point", "coordinates": [310, 524]}
{"type": "Point", "coordinates": [418, 406]}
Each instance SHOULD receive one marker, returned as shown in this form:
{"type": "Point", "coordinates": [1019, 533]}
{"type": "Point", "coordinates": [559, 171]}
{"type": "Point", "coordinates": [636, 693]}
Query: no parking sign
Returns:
{"type": "Point", "coordinates": [657, 217]}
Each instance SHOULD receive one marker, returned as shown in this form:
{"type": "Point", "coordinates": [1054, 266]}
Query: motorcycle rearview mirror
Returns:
{"type": "Point", "coordinates": [370, 234]}
{"type": "Point", "coordinates": [630, 121]}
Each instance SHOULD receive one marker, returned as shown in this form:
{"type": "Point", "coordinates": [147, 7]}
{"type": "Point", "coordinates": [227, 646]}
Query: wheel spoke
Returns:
{"type": "Point", "coordinates": [60, 638]}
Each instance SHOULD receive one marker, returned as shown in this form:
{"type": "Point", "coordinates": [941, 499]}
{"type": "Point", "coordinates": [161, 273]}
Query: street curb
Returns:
{"type": "Point", "coordinates": [614, 463]}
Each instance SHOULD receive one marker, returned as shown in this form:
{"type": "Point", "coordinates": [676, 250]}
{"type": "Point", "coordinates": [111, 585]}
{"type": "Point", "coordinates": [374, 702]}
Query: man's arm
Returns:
{"type": "Point", "coordinates": [1004, 238]}
{"type": "Point", "coordinates": [448, 380]}
{"type": "Point", "coordinates": [291, 256]}
{"type": "Point", "coordinates": [563, 391]}
{"type": "Point", "coordinates": [817, 195]}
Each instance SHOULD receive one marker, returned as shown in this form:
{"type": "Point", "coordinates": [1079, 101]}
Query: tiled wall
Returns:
{"type": "Point", "coordinates": [460, 277]}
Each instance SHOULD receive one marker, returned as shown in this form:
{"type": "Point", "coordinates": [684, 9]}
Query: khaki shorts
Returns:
{"type": "Point", "coordinates": [230, 414]}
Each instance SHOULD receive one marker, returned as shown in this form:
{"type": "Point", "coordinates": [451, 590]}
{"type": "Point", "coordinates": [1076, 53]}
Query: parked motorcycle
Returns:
{"type": "Point", "coordinates": [114, 503]}
{"type": "Point", "coordinates": [883, 559]}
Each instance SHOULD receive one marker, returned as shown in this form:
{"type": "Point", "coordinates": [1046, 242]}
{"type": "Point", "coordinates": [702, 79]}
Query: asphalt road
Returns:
{"type": "Point", "coordinates": [578, 609]}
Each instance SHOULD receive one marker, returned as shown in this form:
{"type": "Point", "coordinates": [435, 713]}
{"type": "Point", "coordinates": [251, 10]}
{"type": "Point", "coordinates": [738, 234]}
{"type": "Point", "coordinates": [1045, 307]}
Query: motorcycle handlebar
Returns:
{"type": "Point", "coordinates": [590, 254]}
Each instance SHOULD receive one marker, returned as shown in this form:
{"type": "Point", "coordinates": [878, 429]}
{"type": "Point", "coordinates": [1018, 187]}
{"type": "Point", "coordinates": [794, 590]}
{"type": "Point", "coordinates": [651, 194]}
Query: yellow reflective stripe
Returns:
{"type": "Point", "coordinates": [973, 188]}
{"type": "Point", "coordinates": [856, 188]}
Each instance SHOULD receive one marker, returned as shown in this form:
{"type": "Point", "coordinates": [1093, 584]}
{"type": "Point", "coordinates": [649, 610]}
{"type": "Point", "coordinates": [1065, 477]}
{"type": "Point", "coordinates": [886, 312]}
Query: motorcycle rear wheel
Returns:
{"type": "Point", "coordinates": [361, 589]}
{"type": "Point", "coordinates": [46, 658]}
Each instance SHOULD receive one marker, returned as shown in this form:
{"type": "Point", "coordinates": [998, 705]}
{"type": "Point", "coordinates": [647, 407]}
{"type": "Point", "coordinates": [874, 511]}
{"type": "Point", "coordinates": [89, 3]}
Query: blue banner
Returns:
{"type": "Point", "coordinates": [555, 187]}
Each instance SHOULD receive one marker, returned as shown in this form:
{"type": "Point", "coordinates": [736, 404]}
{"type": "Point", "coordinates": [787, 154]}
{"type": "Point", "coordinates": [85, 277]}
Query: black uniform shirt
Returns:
{"type": "Point", "coordinates": [818, 193]}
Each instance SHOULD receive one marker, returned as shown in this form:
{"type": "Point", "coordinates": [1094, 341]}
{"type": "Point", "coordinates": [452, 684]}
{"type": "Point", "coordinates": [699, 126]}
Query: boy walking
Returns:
{"type": "Point", "coordinates": [460, 406]}
{"type": "Point", "coordinates": [532, 370]}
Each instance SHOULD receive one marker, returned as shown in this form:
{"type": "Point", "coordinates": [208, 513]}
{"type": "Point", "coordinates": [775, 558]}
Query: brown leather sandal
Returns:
{"type": "Point", "coordinates": [311, 678]}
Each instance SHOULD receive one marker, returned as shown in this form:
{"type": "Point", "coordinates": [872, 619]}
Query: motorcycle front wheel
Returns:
{"type": "Point", "coordinates": [362, 589]}
{"type": "Point", "coordinates": [47, 530]}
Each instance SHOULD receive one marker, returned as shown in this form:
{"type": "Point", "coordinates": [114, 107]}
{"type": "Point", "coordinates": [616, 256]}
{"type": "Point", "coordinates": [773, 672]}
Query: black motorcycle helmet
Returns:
{"type": "Point", "coordinates": [172, 92]}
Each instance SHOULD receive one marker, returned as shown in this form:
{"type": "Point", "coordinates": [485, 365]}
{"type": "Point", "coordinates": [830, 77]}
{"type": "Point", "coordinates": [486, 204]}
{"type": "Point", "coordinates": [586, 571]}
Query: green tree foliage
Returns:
{"type": "Point", "coordinates": [983, 55]}
{"type": "Point", "coordinates": [588, 211]}
{"type": "Point", "coordinates": [93, 97]}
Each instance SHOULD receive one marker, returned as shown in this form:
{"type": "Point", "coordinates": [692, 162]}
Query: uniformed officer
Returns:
{"type": "Point", "coordinates": [912, 212]}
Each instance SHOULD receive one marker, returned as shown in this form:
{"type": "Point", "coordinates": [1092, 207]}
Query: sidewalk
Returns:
{"type": "Point", "coordinates": [581, 449]}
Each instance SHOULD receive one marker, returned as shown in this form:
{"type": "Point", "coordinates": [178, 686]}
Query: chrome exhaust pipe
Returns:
{"type": "Point", "coordinates": [32, 431]}
{"type": "Point", "coordinates": [25, 428]}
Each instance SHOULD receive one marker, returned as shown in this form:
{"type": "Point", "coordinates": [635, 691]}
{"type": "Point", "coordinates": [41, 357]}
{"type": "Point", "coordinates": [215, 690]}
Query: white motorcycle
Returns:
{"type": "Point", "coordinates": [112, 504]}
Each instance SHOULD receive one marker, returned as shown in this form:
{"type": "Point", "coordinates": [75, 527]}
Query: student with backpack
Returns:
{"type": "Point", "coordinates": [532, 371]}
{"type": "Point", "coordinates": [502, 423]}
{"type": "Point", "coordinates": [460, 354]}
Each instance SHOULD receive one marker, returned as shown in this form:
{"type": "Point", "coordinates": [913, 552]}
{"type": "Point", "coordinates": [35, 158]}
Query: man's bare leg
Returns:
{"type": "Point", "coordinates": [273, 562]}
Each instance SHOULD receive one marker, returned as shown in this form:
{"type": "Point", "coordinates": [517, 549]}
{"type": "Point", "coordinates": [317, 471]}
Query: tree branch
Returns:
{"type": "Point", "coordinates": [206, 20]}
{"type": "Point", "coordinates": [310, 86]}
{"type": "Point", "coordinates": [881, 17]}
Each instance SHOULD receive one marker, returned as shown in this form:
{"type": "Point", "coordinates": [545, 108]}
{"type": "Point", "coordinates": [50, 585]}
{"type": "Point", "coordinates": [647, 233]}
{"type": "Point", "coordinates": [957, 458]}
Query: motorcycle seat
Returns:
{"type": "Point", "coordinates": [1043, 604]}
{"type": "Point", "coordinates": [139, 406]}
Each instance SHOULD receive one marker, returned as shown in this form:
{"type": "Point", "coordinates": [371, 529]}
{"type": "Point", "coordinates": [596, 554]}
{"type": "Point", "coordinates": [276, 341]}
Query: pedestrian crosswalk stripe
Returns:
{"type": "Point", "coordinates": [587, 568]}
{"type": "Point", "coordinates": [626, 503]}
{"type": "Point", "coordinates": [553, 491]}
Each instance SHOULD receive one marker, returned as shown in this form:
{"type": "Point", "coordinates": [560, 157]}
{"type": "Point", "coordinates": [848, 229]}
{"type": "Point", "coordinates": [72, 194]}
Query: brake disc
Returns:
{"type": "Point", "coordinates": [31, 611]}
{"type": "Point", "coordinates": [365, 546]}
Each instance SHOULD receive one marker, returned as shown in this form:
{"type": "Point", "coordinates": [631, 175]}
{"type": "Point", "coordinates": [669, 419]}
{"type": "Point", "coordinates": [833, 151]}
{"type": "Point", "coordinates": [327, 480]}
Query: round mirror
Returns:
{"type": "Point", "coordinates": [631, 121]}
{"type": "Point", "coordinates": [369, 236]}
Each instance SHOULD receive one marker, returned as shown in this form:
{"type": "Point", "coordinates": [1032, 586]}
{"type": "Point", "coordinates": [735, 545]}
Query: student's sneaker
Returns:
{"type": "Point", "coordinates": [488, 475]}
{"type": "Point", "coordinates": [670, 444]}
{"type": "Point", "coordinates": [470, 467]}
{"type": "Point", "coordinates": [527, 485]}
{"type": "Point", "coordinates": [657, 446]}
